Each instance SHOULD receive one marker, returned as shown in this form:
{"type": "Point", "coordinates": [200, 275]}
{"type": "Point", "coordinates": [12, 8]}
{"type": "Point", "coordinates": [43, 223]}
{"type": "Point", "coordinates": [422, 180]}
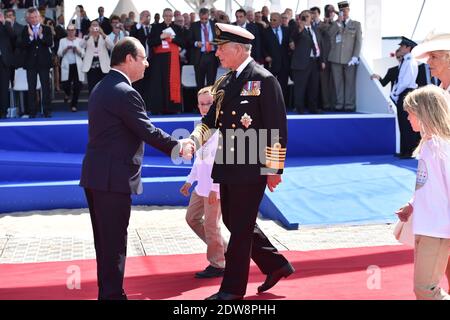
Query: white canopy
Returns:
{"type": "Point", "coordinates": [125, 6]}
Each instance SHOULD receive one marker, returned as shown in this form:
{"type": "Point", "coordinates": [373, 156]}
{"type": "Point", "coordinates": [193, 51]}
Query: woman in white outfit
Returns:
{"type": "Point", "coordinates": [435, 51]}
{"type": "Point", "coordinates": [96, 61]}
{"type": "Point", "coordinates": [72, 76]}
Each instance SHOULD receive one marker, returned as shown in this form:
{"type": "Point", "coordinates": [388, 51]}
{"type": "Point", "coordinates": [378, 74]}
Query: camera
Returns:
{"type": "Point", "coordinates": [96, 29]}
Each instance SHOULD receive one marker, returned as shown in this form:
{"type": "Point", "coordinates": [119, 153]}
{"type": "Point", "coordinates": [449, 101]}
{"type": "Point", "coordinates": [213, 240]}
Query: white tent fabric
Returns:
{"type": "Point", "coordinates": [125, 6]}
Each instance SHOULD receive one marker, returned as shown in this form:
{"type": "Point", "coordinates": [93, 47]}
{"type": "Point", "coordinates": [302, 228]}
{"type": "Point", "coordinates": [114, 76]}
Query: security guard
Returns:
{"type": "Point", "coordinates": [407, 82]}
{"type": "Point", "coordinates": [250, 113]}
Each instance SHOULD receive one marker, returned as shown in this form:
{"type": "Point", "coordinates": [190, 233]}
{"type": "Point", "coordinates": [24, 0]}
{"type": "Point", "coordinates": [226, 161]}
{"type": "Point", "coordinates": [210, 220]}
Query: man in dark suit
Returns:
{"type": "Point", "coordinates": [141, 31]}
{"type": "Point", "coordinates": [307, 62]}
{"type": "Point", "coordinates": [104, 22]}
{"type": "Point", "coordinates": [241, 21]}
{"type": "Point", "coordinates": [10, 15]}
{"type": "Point", "coordinates": [248, 103]}
{"type": "Point", "coordinates": [37, 40]}
{"type": "Point", "coordinates": [6, 61]}
{"type": "Point", "coordinates": [204, 59]}
{"type": "Point", "coordinates": [276, 51]}
{"type": "Point", "coordinates": [111, 172]}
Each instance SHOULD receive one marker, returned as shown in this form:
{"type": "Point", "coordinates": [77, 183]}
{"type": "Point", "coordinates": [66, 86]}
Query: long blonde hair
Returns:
{"type": "Point", "coordinates": [431, 106]}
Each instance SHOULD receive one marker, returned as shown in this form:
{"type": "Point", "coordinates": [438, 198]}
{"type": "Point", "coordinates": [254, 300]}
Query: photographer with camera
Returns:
{"type": "Point", "coordinates": [71, 53]}
{"type": "Point", "coordinates": [346, 43]}
{"type": "Point", "coordinates": [96, 60]}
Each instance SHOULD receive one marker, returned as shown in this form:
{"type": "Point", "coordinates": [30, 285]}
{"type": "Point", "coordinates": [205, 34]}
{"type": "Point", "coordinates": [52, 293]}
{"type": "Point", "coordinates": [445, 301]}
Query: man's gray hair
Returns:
{"type": "Point", "coordinates": [247, 47]}
{"type": "Point", "coordinates": [32, 10]}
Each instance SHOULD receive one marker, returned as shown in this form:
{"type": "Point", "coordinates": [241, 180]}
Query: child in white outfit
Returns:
{"type": "Point", "coordinates": [429, 113]}
{"type": "Point", "coordinates": [204, 214]}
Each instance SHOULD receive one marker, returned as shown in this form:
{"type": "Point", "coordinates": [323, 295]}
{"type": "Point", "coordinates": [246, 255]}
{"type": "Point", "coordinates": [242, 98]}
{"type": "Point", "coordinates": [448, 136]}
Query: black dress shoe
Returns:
{"type": "Point", "coordinates": [210, 272]}
{"type": "Point", "coordinates": [224, 296]}
{"type": "Point", "coordinates": [273, 278]}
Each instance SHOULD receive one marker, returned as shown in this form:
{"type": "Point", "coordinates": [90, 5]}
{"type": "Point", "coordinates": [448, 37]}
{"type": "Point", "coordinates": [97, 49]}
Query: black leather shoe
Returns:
{"type": "Point", "coordinates": [224, 296]}
{"type": "Point", "coordinates": [210, 272]}
{"type": "Point", "coordinates": [273, 278]}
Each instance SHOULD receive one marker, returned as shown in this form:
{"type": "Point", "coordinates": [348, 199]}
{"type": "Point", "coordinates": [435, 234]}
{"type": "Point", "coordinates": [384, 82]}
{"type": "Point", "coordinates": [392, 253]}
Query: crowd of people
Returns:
{"type": "Point", "coordinates": [319, 55]}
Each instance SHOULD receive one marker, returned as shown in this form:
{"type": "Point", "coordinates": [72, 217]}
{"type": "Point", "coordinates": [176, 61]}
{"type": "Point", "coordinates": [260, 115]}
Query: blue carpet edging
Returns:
{"type": "Point", "coordinates": [40, 164]}
{"type": "Point", "coordinates": [314, 192]}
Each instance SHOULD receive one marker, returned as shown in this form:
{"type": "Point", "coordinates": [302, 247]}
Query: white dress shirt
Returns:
{"type": "Point", "coordinates": [243, 66]}
{"type": "Point", "coordinates": [407, 77]}
{"type": "Point", "coordinates": [316, 43]}
{"type": "Point", "coordinates": [202, 168]}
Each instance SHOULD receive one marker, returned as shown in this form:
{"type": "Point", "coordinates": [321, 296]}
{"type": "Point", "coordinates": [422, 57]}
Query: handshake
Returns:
{"type": "Point", "coordinates": [187, 148]}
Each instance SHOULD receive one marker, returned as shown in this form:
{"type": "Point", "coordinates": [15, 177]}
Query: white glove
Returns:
{"type": "Point", "coordinates": [353, 62]}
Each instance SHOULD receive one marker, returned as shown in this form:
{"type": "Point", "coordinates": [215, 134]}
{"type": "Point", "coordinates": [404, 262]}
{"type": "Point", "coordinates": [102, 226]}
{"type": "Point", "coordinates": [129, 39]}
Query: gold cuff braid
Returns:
{"type": "Point", "coordinates": [275, 157]}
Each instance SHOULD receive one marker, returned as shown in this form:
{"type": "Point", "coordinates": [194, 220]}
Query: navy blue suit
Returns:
{"type": "Point", "coordinates": [111, 172]}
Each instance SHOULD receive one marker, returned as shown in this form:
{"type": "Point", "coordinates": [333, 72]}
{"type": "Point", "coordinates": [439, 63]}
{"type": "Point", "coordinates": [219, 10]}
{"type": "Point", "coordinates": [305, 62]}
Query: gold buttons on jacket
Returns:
{"type": "Point", "coordinates": [233, 113]}
{"type": "Point", "coordinates": [221, 112]}
{"type": "Point", "coordinates": [233, 126]}
{"type": "Point", "coordinates": [220, 124]}
{"type": "Point", "coordinates": [232, 149]}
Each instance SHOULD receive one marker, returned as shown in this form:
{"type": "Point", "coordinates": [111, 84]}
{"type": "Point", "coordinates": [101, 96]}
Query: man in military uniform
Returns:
{"type": "Point", "coordinates": [346, 43]}
{"type": "Point", "coordinates": [250, 113]}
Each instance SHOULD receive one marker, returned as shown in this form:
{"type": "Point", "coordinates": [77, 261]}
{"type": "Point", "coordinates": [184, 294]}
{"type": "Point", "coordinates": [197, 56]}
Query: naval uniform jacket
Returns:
{"type": "Point", "coordinates": [252, 102]}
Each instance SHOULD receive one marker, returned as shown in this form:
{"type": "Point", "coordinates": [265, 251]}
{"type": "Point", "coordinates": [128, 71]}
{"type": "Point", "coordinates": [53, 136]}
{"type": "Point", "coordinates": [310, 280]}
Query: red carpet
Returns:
{"type": "Point", "coordinates": [328, 274]}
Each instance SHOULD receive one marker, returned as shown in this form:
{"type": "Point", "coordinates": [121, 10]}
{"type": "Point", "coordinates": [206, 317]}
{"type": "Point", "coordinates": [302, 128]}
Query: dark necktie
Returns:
{"type": "Point", "coordinates": [313, 43]}
{"type": "Point", "coordinates": [345, 24]}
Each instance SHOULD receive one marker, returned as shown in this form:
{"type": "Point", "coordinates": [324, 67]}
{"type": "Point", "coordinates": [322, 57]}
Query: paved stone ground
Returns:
{"type": "Point", "coordinates": [62, 235]}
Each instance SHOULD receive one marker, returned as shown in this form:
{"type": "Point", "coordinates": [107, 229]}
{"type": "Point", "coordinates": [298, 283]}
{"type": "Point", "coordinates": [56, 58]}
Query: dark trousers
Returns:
{"type": "Point", "coordinates": [283, 78]}
{"type": "Point", "coordinates": [206, 69]}
{"type": "Point", "coordinates": [240, 206]}
{"type": "Point", "coordinates": [110, 215]}
{"type": "Point", "coordinates": [94, 76]}
{"type": "Point", "coordinates": [306, 86]}
{"type": "Point", "coordinates": [44, 77]}
{"type": "Point", "coordinates": [4, 88]}
{"type": "Point", "coordinates": [327, 90]}
{"type": "Point", "coordinates": [72, 85]}
{"type": "Point", "coordinates": [409, 140]}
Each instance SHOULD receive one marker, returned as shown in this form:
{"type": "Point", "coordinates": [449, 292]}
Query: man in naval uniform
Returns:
{"type": "Point", "coordinates": [250, 113]}
{"type": "Point", "coordinates": [407, 82]}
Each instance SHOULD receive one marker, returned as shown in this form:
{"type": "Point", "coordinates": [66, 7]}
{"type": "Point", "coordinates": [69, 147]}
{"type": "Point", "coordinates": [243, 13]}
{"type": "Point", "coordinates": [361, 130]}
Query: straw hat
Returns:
{"type": "Point", "coordinates": [434, 41]}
